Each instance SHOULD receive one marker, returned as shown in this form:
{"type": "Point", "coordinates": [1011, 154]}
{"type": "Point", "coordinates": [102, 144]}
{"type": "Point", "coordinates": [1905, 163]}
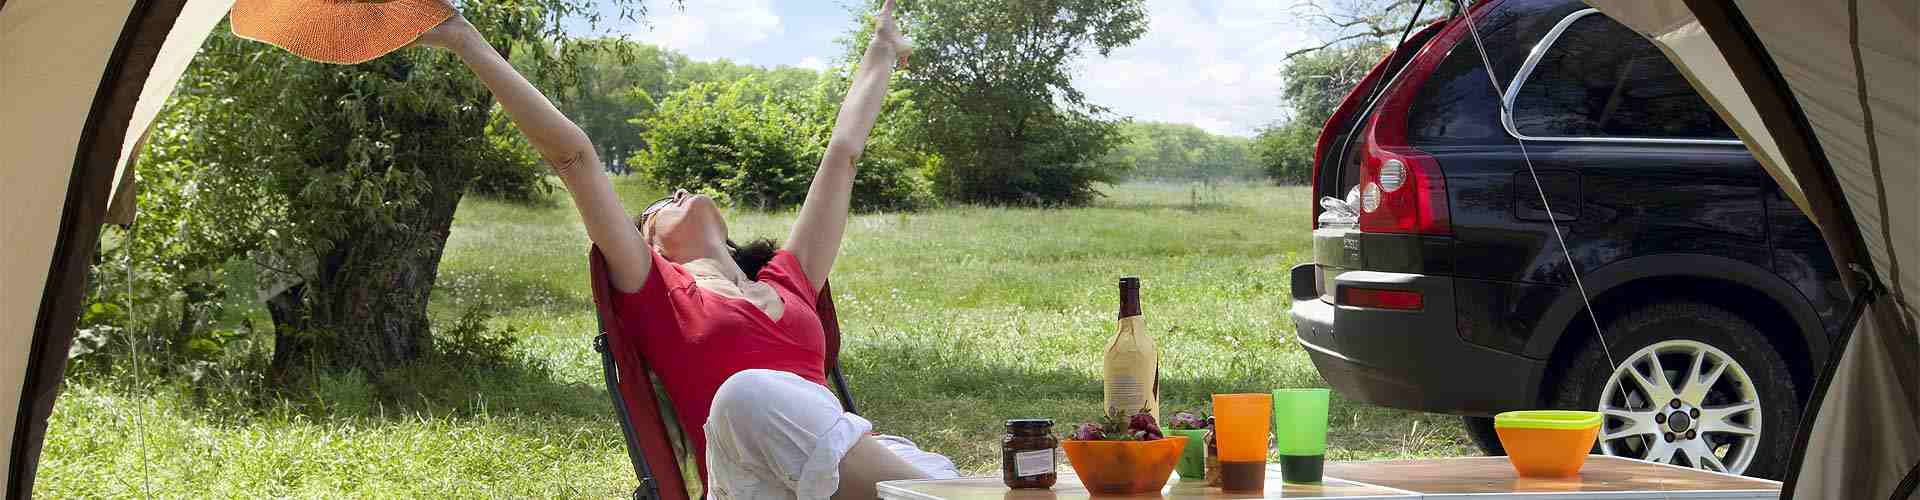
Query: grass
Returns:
{"type": "Point", "coordinates": [955, 319]}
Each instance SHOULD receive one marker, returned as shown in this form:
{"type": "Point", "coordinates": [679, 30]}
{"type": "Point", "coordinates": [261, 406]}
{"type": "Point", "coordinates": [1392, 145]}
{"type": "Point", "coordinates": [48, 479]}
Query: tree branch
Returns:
{"type": "Point", "coordinates": [1323, 46]}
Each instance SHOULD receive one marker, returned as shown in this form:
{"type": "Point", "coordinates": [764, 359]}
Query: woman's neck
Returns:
{"type": "Point", "coordinates": [712, 267]}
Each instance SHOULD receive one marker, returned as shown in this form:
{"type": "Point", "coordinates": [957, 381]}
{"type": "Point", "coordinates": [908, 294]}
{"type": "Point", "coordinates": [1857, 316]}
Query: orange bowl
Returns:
{"type": "Point", "coordinates": [1124, 467]}
{"type": "Point", "coordinates": [1547, 443]}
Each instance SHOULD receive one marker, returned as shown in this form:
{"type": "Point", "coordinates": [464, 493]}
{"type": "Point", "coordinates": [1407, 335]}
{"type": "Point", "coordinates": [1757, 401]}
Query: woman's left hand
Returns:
{"type": "Point", "coordinates": [887, 31]}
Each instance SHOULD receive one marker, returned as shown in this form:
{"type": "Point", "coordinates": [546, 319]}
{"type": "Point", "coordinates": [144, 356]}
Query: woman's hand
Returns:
{"type": "Point", "coordinates": [815, 240]}
{"type": "Point", "coordinates": [887, 32]}
{"type": "Point", "coordinates": [449, 34]}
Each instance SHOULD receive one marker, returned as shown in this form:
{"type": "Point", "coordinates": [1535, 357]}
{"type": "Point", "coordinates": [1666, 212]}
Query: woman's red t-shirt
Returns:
{"type": "Point", "coordinates": [694, 339]}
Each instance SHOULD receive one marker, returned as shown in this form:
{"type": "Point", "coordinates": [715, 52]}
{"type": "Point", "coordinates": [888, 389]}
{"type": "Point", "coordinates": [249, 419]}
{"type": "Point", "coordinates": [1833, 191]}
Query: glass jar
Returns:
{"type": "Point", "coordinates": [1028, 454]}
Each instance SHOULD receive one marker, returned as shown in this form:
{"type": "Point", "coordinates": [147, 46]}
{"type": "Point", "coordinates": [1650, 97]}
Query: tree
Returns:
{"type": "Point", "coordinates": [1179, 151]}
{"type": "Point", "coordinates": [616, 84]}
{"type": "Point", "coordinates": [753, 145]}
{"type": "Point", "coordinates": [1361, 22]}
{"type": "Point", "coordinates": [993, 79]}
{"type": "Point", "coordinates": [358, 170]}
{"type": "Point", "coordinates": [1313, 86]}
{"type": "Point", "coordinates": [613, 81]}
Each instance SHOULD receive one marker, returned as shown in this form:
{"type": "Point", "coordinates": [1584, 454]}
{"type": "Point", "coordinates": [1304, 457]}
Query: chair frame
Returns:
{"type": "Point", "coordinates": [630, 386]}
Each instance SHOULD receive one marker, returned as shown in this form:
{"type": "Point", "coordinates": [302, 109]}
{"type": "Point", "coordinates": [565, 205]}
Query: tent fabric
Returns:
{"type": "Point", "coordinates": [1851, 70]}
{"type": "Point", "coordinates": [72, 73]}
{"type": "Point", "coordinates": [51, 56]}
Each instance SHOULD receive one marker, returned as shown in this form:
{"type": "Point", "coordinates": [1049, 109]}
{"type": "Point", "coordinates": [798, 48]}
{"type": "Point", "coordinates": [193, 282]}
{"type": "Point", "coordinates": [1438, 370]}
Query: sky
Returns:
{"type": "Point", "coordinates": [1211, 63]}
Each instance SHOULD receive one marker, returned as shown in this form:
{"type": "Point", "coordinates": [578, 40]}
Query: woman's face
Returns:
{"type": "Point", "coordinates": [686, 226]}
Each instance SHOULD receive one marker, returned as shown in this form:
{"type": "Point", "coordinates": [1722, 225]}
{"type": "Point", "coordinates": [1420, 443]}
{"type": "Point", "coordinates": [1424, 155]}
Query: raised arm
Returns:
{"type": "Point", "coordinates": [823, 217]}
{"type": "Point", "coordinates": [564, 146]}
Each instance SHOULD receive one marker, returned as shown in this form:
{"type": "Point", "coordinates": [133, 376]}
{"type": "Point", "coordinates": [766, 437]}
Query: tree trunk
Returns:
{"type": "Point", "coordinates": [363, 304]}
{"type": "Point", "coordinates": [367, 309]}
{"type": "Point", "coordinates": [292, 342]}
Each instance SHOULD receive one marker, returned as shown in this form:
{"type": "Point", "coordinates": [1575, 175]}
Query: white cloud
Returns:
{"type": "Point", "coordinates": [812, 63]}
{"type": "Point", "coordinates": [1214, 64]}
{"type": "Point", "coordinates": [708, 29]}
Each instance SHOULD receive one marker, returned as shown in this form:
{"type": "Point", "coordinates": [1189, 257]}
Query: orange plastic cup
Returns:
{"type": "Point", "coordinates": [1547, 443]}
{"type": "Point", "coordinates": [1241, 424]}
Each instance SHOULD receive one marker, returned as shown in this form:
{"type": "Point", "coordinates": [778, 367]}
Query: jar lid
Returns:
{"type": "Point", "coordinates": [1029, 423]}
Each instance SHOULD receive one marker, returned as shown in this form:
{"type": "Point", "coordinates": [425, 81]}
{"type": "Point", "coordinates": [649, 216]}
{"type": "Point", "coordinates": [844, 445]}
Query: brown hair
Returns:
{"type": "Point", "coordinates": [754, 256]}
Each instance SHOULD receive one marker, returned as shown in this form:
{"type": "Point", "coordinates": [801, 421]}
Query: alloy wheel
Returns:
{"type": "Point", "coordinates": [1682, 402]}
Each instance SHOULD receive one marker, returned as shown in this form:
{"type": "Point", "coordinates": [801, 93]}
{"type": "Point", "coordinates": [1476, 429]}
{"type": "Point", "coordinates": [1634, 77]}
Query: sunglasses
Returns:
{"type": "Point", "coordinates": [658, 205]}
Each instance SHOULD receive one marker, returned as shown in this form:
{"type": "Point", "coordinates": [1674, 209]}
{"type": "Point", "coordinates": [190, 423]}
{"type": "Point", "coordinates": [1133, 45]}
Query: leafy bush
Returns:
{"type": "Point", "coordinates": [1057, 161]}
{"type": "Point", "coordinates": [515, 173]}
{"type": "Point", "coordinates": [1286, 152]}
{"type": "Point", "coordinates": [745, 144]}
{"type": "Point", "coordinates": [471, 343]}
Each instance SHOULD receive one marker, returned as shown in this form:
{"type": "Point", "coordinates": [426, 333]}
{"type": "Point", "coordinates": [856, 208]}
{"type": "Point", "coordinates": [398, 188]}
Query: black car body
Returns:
{"type": "Point", "coordinates": [1451, 292]}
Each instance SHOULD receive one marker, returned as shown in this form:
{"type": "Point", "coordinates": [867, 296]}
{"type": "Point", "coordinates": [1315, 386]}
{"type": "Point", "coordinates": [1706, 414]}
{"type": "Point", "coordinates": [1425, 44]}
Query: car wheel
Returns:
{"type": "Point", "coordinates": [1480, 430]}
{"type": "Point", "coordinates": [1696, 386]}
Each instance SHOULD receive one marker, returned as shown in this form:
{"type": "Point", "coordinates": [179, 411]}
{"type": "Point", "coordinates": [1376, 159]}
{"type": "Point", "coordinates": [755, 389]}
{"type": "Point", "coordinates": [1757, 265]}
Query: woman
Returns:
{"type": "Point", "coordinates": [738, 349]}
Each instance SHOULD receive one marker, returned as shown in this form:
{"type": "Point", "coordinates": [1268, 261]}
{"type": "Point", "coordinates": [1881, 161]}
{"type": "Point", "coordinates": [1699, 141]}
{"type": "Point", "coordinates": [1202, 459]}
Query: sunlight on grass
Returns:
{"type": "Point", "coordinates": [955, 319]}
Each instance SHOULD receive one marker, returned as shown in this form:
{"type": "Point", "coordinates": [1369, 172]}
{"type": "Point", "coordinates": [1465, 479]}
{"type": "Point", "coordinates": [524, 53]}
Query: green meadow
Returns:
{"type": "Point", "coordinates": [954, 320]}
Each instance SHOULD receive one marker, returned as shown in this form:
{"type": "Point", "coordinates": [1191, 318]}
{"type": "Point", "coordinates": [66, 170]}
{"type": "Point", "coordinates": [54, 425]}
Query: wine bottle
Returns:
{"type": "Point", "coordinates": [1132, 374]}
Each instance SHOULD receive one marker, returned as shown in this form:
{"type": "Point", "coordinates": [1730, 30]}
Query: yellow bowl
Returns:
{"type": "Point", "coordinates": [1124, 467]}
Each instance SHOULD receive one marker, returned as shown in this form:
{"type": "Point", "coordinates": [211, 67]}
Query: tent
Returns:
{"type": "Point", "coordinates": [79, 81]}
{"type": "Point", "coordinates": [1826, 93]}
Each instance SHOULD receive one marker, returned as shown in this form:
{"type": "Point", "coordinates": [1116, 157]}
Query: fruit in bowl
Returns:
{"type": "Point", "coordinates": [1124, 455]}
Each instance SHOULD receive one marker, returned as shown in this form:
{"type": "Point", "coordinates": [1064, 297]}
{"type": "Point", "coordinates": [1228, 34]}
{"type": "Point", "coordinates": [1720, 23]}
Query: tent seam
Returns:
{"type": "Point", "coordinates": [1873, 162]}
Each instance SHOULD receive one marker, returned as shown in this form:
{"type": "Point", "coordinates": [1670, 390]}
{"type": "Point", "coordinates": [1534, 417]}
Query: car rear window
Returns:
{"type": "Point", "coordinates": [1459, 105]}
{"type": "Point", "coordinates": [1600, 79]}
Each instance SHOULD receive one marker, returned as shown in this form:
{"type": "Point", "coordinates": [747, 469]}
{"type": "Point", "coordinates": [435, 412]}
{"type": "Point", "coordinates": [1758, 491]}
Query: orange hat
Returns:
{"type": "Point", "coordinates": [337, 31]}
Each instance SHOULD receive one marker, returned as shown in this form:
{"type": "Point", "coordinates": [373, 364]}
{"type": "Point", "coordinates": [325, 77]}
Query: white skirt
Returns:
{"type": "Point", "coordinates": [772, 434]}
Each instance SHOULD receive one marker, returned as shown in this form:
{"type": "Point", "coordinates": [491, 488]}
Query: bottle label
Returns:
{"type": "Point", "coordinates": [1033, 463]}
{"type": "Point", "coordinates": [1132, 372]}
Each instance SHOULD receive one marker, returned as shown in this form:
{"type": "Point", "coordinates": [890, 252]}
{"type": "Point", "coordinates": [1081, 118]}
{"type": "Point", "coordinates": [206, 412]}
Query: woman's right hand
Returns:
{"type": "Point", "coordinates": [449, 34]}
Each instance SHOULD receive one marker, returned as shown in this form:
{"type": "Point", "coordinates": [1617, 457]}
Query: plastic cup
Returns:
{"type": "Point", "coordinates": [1241, 422]}
{"type": "Point", "coordinates": [1193, 460]}
{"type": "Point", "coordinates": [1300, 433]}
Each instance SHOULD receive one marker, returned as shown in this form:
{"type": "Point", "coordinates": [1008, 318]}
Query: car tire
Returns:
{"type": "Point", "coordinates": [1480, 430]}
{"type": "Point", "coordinates": [1668, 335]}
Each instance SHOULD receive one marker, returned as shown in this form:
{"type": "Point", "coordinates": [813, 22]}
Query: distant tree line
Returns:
{"type": "Point", "coordinates": [1154, 151]}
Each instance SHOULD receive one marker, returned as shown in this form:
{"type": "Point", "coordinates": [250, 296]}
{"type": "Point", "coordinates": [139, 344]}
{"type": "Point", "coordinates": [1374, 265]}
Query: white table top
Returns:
{"type": "Point", "coordinates": [1485, 478]}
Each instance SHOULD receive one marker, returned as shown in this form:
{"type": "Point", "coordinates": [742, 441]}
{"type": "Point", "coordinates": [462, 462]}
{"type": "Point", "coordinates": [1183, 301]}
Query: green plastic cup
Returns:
{"type": "Point", "coordinates": [1300, 433]}
{"type": "Point", "coordinates": [1193, 460]}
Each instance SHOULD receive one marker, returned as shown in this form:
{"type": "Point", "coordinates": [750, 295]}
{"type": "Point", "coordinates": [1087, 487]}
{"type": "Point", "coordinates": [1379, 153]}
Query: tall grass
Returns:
{"type": "Point", "coordinates": [955, 319]}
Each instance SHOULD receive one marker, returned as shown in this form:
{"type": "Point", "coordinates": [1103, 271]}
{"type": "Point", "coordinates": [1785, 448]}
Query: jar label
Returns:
{"type": "Point", "coordinates": [1033, 463]}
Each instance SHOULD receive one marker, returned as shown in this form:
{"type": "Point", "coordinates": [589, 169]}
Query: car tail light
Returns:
{"type": "Point", "coordinates": [1374, 298]}
{"type": "Point", "coordinates": [1329, 131]}
{"type": "Point", "coordinates": [1402, 188]}
{"type": "Point", "coordinates": [1354, 102]}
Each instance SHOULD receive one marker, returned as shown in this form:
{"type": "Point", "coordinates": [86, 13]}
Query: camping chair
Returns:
{"type": "Point", "coordinates": [630, 384]}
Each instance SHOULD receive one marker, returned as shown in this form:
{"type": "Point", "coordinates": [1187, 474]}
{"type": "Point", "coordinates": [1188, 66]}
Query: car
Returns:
{"type": "Point", "coordinates": [1466, 224]}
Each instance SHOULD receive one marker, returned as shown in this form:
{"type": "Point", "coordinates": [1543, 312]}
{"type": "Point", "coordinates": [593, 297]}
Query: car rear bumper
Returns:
{"type": "Point", "coordinates": [1412, 360]}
